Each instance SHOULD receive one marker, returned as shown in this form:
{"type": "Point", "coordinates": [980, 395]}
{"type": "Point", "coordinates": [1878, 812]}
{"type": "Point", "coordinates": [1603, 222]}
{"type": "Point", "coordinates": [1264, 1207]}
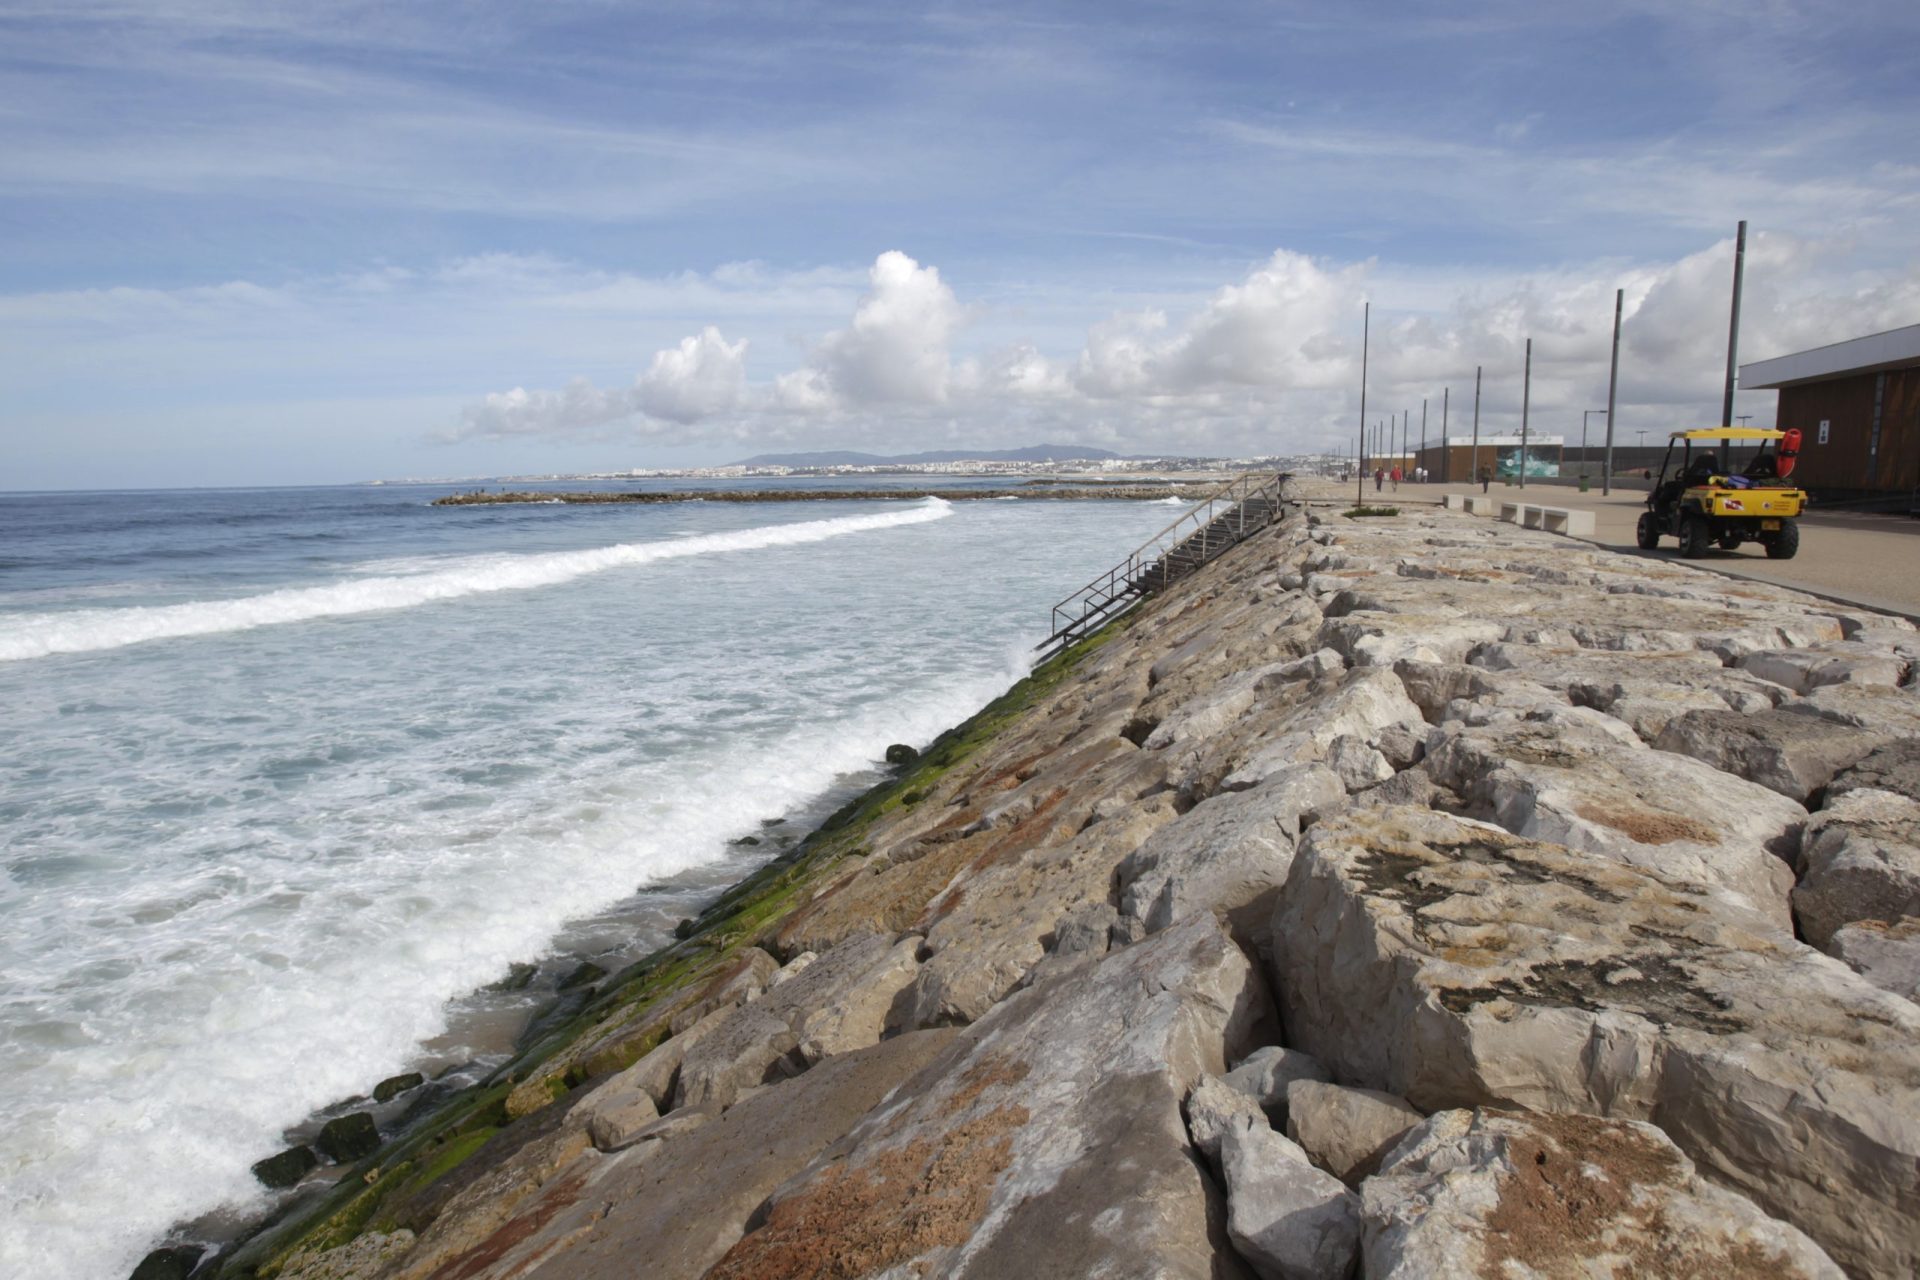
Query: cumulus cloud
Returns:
{"type": "Point", "coordinates": [1267, 363]}
{"type": "Point", "coordinates": [703, 376]}
{"type": "Point", "coordinates": [896, 351]}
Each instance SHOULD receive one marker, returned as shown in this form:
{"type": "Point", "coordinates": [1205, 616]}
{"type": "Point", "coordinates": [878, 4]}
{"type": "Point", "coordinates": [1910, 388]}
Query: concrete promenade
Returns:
{"type": "Point", "coordinates": [1872, 560]}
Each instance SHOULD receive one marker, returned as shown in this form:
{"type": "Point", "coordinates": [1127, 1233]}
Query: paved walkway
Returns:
{"type": "Point", "coordinates": [1872, 560]}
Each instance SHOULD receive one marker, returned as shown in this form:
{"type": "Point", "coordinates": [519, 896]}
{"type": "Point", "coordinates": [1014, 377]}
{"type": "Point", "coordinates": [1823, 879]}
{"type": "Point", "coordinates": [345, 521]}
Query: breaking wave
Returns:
{"type": "Point", "coordinates": [83, 630]}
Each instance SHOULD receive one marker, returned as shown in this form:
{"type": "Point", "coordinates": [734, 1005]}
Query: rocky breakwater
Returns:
{"type": "Point", "coordinates": [1417, 896]}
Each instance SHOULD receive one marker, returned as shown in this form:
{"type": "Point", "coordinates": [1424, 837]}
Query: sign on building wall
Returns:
{"type": "Point", "coordinates": [1825, 425]}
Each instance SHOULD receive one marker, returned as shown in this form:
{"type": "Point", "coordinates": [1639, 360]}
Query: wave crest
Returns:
{"type": "Point", "coordinates": [39, 635]}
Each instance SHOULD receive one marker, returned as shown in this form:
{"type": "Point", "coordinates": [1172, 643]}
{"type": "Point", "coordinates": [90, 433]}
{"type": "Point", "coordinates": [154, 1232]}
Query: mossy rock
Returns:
{"type": "Point", "coordinates": [393, 1086]}
{"type": "Point", "coordinates": [349, 1138]}
{"type": "Point", "coordinates": [175, 1262]}
{"type": "Point", "coordinates": [287, 1168]}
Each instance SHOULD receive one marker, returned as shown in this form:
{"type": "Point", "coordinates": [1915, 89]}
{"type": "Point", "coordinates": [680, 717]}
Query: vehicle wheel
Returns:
{"type": "Point", "coordinates": [1694, 537]}
{"type": "Point", "coordinates": [1782, 545]}
{"type": "Point", "coordinates": [1730, 541]}
{"type": "Point", "coordinates": [1646, 533]}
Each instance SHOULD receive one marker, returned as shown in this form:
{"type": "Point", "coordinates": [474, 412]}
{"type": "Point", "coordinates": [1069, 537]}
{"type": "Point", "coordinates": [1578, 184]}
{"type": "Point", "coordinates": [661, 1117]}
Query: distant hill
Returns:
{"type": "Point", "coordinates": [844, 458]}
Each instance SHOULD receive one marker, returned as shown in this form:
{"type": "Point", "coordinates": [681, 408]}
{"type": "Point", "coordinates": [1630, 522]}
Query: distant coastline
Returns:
{"type": "Point", "coordinates": [1058, 493]}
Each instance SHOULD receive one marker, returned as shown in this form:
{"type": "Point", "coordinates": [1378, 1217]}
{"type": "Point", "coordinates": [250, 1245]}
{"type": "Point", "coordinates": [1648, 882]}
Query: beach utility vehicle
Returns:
{"type": "Point", "coordinates": [1704, 500]}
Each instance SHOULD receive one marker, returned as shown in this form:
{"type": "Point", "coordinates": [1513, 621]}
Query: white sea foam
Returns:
{"type": "Point", "coordinates": [346, 979]}
{"type": "Point", "coordinates": [37, 635]}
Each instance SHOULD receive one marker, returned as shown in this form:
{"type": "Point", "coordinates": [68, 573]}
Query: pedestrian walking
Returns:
{"type": "Point", "coordinates": [1396, 479]}
{"type": "Point", "coordinates": [1379, 478]}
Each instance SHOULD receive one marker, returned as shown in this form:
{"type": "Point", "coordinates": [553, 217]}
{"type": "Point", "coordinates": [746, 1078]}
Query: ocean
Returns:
{"type": "Point", "coordinates": [288, 776]}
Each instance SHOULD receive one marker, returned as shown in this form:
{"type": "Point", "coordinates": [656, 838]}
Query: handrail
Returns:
{"type": "Point", "coordinates": [1135, 574]}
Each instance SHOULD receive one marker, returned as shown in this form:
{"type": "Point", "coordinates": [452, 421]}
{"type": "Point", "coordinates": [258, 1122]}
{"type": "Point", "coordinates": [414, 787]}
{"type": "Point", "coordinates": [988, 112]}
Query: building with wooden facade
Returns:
{"type": "Point", "coordinates": [1857, 406]}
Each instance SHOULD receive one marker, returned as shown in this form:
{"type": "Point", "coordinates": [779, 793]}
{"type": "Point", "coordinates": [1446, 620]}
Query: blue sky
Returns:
{"type": "Point", "coordinates": [261, 243]}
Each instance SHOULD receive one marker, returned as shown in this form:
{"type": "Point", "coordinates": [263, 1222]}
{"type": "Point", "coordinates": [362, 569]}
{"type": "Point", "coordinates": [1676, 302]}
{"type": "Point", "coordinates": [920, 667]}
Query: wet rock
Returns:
{"type": "Point", "coordinates": [1458, 965]}
{"type": "Point", "coordinates": [517, 979]}
{"type": "Point", "coordinates": [287, 1168]}
{"type": "Point", "coordinates": [1346, 1131]}
{"type": "Point", "coordinates": [1790, 753]}
{"type": "Point", "coordinates": [1887, 955]}
{"type": "Point", "coordinates": [583, 974]}
{"type": "Point", "coordinates": [1052, 1130]}
{"type": "Point", "coordinates": [1860, 861]}
{"type": "Point", "coordinates": [1497, 1193]}
{"type": "Point", "coordinates": [901, 753]}
{"type": "Point", "coordinates": [349, 1138]}
{"type": "Point", "coordinates": [175, 1262]}
{"type": "Point", "coordinates": [1570, 781]}
{"type": "Point", "coordinates": [1289, 1220]}
{"type": "Point", "coordinates": [393, 1086]}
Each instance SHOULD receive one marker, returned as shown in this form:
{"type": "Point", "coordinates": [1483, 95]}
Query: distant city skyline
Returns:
{"type": "Point", "coordinates": [272, 243]}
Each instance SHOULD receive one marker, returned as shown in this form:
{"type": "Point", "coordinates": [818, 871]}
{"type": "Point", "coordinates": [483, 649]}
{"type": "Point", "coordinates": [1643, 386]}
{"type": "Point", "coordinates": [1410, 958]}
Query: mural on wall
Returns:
{"type": "Point", "coordinates": [1507, 463]}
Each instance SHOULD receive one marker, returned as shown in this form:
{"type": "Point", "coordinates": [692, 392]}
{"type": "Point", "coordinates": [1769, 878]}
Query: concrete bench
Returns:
{"type": "Point", "coordinates": [1480, 506]}
{"type": "Point", "coordinates": [1575, 524]}
{"type": "Point", "coordinates": [1454, 501]}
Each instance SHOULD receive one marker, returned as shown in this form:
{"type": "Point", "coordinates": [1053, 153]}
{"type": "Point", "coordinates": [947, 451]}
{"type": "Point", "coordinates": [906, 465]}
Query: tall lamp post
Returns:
{"type": "Point", "coordinates": [1476, 424]}
{"type": "Point", "coordinates": [1526, 397]}
{"type": "Point", "coordinates": [1366, 319]}
{"type": "Point", "coordinates": [1584, 415]}
{"type": "Point", "coordinates": [1613, 387]}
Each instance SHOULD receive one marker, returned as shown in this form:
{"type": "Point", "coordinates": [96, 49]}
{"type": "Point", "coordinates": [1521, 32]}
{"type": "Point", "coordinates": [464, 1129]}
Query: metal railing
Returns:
{"type": "Point", "coordinates": [1238, 509]}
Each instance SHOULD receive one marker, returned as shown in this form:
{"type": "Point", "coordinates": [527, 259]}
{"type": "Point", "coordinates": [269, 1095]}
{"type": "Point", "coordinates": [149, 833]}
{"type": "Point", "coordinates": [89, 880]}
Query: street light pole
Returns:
{"type": "Point", "coordinates": [1526, 396]}
{"type": "Point", "coordinates": [1423, 426]}
{"type": "Point", "coordinates": [1476, 423]}
{"type": "Point", "coordinates": [1584, 415]}
{"type": "Point", "coordinates": [1366, 318]}
{"type": "Point", "coordinates": [1613, 385]}
{"type": "Point", "coordinates": [1446, 454]}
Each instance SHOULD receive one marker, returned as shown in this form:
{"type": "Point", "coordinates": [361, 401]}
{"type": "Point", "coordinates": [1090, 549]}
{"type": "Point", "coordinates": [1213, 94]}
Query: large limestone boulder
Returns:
{"type": "Point", "coordinates": [1365, 703]}
{"type": "Point", "coordinates": [1048, 1141]}
{"type": "Point", "coordinates": [1860, 861]}
{"type": "Point", "coordinates": [1266, 1073]}
{"type": "Point", "coordinates": [1289, 1220]}
{"type": "Point", "coordinates": [992, 924]}
{"type": "Point", "coordinates": [668, 1207]}
{"type": "Point", "coordinates": [1804, 670]}
{"type": "Point", "coordinates": [1573, 782]}
{"type": "Point", "coordinates": [1346, 1131]}
{"type": "Point", "coordinates": [1793, 754]}
{"type": "Point", "coordinates": [1501, 1193]}
{"type": "Point", "coordinates": [842, 1001]}
{"type": "Point", "coordinates": [1229, 854]}
{"type": "Point", "coordinates": [1892, 766]}
{"type": "Point", "coordinates": [1887, 955]}
{"type": "Point", "coordinates": [1458, 965]}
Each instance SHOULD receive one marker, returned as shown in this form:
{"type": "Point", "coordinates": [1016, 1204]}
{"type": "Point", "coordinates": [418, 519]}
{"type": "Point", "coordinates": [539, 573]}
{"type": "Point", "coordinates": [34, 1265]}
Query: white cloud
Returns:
{"type": "Point", "coordinates": [897, 350]}
{"type": "Point", "coordinates": [1269, 363]}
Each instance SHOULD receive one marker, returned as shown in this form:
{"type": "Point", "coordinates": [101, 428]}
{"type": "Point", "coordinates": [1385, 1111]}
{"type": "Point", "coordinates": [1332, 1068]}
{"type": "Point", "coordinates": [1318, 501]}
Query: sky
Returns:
{"type": "Point", "coordinates": [250, 242]}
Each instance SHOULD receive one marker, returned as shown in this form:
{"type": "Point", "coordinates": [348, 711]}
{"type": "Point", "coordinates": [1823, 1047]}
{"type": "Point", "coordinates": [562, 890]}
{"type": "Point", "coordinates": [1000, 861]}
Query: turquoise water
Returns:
{"type": "Point", "coordinates": [286, 774]}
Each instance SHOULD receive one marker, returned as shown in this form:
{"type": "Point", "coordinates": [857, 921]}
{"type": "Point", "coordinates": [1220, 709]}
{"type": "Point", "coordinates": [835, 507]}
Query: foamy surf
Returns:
{"type": "Point", "coordinates": [86, 630]}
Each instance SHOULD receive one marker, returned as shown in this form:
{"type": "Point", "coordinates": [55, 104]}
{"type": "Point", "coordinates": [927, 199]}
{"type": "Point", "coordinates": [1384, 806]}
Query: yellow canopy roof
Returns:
{"type": "Point", "coordinates": [1729, 433]}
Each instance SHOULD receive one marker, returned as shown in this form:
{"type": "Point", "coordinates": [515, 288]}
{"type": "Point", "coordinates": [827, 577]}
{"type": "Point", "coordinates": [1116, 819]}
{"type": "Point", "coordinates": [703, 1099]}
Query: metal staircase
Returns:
{"type": "Point", "coordinates": [1229, 516]}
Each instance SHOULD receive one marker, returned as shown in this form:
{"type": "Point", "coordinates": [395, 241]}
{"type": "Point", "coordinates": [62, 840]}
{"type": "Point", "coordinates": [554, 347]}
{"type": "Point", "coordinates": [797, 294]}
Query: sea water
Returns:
{"type": "Point", "coordinates": [286, 774]}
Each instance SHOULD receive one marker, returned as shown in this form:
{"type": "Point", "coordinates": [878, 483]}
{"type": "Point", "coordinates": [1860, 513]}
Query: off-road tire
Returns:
{"type": "Point", "coordinates": [1695, 537]}
{"type": "Point", "coordinates": [1783, 545]}
{"type": "Point", "coordinates": [1647, 532]}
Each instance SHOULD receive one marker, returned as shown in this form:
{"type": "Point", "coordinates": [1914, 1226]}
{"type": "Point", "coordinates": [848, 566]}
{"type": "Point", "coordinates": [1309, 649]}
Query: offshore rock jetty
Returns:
{"type": "Point", "coordinates": [1419, 896]}
{"type": "Point", "coordinates": [1046, 492]}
